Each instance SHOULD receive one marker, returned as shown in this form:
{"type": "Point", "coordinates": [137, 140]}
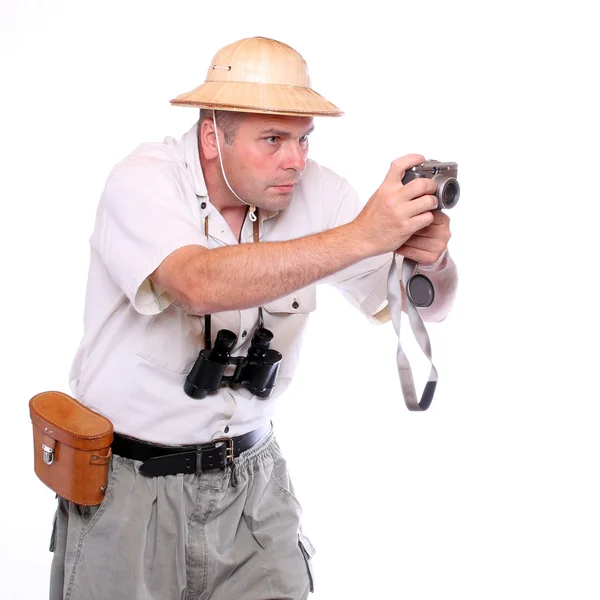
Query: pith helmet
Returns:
{"type": "Point", "coordinates": [259, 75]}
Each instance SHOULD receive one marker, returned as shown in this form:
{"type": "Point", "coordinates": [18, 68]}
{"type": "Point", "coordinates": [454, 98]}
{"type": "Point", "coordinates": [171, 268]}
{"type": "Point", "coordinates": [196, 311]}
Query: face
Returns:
{"type": "Point", "coordinates": [267, 157]}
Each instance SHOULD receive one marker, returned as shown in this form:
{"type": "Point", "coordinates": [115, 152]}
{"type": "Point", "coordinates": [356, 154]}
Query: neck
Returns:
{"type": "Point", "coordinates": [219, 193]}
{"type": "Point", "coordinates": [231, 209]}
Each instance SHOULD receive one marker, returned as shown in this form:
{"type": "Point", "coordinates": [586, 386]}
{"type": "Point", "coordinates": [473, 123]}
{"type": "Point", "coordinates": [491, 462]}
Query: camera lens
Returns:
{"type": "Point", "coordinates": [449, 193]}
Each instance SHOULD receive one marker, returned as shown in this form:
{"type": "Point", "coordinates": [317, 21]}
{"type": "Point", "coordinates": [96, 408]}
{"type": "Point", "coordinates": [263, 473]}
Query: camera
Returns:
{"type": "Point", "coordinates": [257, 371]}
{"type": "Point", "coordinates": [444, 174]}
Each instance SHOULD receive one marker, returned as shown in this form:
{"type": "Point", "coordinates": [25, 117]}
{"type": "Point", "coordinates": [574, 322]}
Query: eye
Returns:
{"type": "Point", "coordinates": [304, 138]}
{"type": "Point", "coordinates": [272, 140]}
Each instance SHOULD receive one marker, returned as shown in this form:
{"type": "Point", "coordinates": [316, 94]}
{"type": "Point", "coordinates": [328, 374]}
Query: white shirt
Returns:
{"type": "Point", "coordinates": [138, 345]}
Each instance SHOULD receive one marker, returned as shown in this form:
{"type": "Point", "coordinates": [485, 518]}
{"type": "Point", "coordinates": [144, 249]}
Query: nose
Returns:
{"type": "Point", "coordinates": [295, 157]}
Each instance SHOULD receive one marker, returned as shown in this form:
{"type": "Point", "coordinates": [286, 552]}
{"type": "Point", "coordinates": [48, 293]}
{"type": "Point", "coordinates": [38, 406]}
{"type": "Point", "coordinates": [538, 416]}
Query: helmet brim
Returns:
{"type": "Point", "coordinates": [258, 98]}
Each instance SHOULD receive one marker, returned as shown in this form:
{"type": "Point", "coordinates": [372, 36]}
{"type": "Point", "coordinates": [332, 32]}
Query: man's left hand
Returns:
{"type": "Point", "coordinates": [428, 245]}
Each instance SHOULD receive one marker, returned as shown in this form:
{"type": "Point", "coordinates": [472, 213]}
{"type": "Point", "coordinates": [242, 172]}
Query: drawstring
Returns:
{"type": "Point", "coordinates": [252, 209]}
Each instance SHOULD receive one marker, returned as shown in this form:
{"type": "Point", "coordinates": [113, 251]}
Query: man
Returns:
{"type": "Point", "coordinates": [232, 221]}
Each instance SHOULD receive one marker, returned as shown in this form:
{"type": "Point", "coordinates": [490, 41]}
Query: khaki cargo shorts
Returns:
{"type": "Point", "coordinates": [224, 535]}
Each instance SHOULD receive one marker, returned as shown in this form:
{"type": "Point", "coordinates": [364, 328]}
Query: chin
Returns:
{"type": "Point", "coordinates": [279, 202]}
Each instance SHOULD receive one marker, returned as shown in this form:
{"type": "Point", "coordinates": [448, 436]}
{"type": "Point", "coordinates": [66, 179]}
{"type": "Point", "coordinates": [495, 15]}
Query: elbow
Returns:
{"type": "Point", "coordinates": [433, 316]}
{"type": "Point", "coordinates": [440, 309]}
{"type": "Point", "coordinates": [185, 277]}
{"type": "Point", "coordinates": [447, 284]}
{"type": "Point", "coordinates": [201, 299]}
{"type": "Point", "coordinates": [196, 298]}
{"type": "Point", "coordinates": [197, 306]}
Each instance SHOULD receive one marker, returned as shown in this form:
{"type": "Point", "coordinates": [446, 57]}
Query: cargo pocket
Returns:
{"type": "Point", "coordinates": [308, 551]}
{"type": "Point", "coordinates": [89, 515]}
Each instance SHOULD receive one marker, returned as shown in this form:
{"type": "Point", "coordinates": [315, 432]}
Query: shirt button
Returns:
{"type": "Point", "coordinates": [244, 333]}
{"type": "Point", "coordinates": [226, 430]}
{"type": "Point", "coordinates": [295, 304]}
{"type": "Point", "coordinates": [203, 205]}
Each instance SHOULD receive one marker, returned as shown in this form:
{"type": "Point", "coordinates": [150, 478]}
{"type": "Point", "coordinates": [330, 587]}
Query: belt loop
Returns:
{"type": "Point", "coordinates": [198, 460]}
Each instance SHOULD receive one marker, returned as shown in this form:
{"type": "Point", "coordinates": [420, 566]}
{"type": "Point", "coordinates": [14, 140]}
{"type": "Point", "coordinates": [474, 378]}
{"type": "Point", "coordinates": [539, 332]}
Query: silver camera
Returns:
{"type": "Point", "coordinates": [444, 174]}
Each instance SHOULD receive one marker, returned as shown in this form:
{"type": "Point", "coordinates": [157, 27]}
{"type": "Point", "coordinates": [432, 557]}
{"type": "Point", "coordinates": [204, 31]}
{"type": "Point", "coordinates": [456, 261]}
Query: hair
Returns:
{"type": "Point", "coordinates": [227, 121]}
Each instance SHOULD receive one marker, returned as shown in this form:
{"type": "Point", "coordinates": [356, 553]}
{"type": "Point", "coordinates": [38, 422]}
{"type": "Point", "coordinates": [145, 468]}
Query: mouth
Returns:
{"type": "Point", "coordinates": [286, 187]}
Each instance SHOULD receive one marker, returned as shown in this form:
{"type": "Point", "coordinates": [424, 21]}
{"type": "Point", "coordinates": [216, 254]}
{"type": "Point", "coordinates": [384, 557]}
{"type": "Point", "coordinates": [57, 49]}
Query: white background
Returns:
{"type": "Point", "coordinates": [490, 494]}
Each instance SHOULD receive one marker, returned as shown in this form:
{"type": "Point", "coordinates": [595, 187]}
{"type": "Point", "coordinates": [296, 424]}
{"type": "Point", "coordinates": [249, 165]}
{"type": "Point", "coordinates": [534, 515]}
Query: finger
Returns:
{"type": "Point", "coordinates": [399, 167]}
{"type": "Point", "coordinates": [419, 256]}
{"type": "Point", "coordinates": [432, 233]}
{"type": "Point", "coordinates": [427, 244]}
{"type": "Point", "coordinates": [438, 231]}
{"type": "Point", "coordinates": [439, 228]}
{"type": "Point", "coordinates": [421, 220]}
{"type": "Point", "coordinates": [440, 218]}
{"type": "Point", "coordinates": [420, 205]}
{"type": "Point", "coordinates": [419, 187]}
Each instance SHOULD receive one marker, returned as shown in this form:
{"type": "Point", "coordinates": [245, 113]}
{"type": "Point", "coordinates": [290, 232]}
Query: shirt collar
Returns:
{"type": "Point", "coordinates": [192, 161]}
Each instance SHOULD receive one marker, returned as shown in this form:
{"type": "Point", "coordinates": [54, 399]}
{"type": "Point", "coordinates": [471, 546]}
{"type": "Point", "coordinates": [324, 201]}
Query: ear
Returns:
{"type": "Point", "coordinates": [208, 141]}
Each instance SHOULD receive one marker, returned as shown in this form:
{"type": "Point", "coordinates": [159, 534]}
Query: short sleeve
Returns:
{"type": "Point", "coordinates": [145, 213]}
{"type": "Point", "coordinates": [364, 284]}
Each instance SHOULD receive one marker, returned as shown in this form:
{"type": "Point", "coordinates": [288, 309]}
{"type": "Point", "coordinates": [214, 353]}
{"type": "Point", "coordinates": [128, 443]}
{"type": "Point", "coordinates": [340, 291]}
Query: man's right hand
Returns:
{"type": "Point", "coordinates": [395, 211]}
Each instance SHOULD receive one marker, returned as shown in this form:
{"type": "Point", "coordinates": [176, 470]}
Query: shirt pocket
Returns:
{"type": "Point", "coordinates": [173, 340]}
{"type": "Point", "coordinates": [286, 317]}
{"type": "Point", "coordinates": [302, 301]}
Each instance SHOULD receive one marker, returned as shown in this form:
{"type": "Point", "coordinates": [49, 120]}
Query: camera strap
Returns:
{"type": "Point", "coordinates": [253, 212]}
{"type": "Point", "coordinates": [418, 328]}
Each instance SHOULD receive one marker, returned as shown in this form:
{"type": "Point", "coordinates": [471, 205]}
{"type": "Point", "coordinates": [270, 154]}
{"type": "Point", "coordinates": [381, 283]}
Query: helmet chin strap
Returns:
{"type": "Point", "coordinates": [252, 207]}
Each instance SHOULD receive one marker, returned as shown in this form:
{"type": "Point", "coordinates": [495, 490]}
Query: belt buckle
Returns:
{"type": "Point", "coordinates": [229, 443]}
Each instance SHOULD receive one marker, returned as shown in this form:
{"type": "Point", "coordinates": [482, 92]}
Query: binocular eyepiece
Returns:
{"type": "Point", "coordinates": [257, 371]}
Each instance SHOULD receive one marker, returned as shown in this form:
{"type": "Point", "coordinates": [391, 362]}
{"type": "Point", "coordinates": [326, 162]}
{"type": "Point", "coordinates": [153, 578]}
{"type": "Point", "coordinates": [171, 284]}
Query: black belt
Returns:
{"type": "Point", "coordinates": [169, 460]}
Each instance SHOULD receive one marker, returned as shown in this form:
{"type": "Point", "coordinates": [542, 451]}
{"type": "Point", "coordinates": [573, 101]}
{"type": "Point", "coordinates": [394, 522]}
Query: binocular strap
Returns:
{"type": "Point", "coordinates": [418, 328]}
{"type": "Point", "coordinates": [253, 214]}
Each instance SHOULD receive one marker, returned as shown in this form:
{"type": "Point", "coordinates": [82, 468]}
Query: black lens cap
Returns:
{"type": "Point", "coordinates": [419, 290]}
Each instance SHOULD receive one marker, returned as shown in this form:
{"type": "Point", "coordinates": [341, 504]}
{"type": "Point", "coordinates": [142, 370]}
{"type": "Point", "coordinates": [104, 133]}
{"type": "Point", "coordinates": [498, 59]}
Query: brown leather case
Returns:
{"type": "Point", "coordinates": [71, 446]}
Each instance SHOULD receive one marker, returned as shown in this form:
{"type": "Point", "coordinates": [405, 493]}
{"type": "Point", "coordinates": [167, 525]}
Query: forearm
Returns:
{"type": "Point", "coordinates": [444, 278]}
{"type": "Point", "coordinates": [248, 275]}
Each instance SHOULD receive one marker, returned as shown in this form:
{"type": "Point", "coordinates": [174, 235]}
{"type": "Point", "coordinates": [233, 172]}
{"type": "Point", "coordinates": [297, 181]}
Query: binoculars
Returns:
{"type": "Point", "coordinates": [257, 371]}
